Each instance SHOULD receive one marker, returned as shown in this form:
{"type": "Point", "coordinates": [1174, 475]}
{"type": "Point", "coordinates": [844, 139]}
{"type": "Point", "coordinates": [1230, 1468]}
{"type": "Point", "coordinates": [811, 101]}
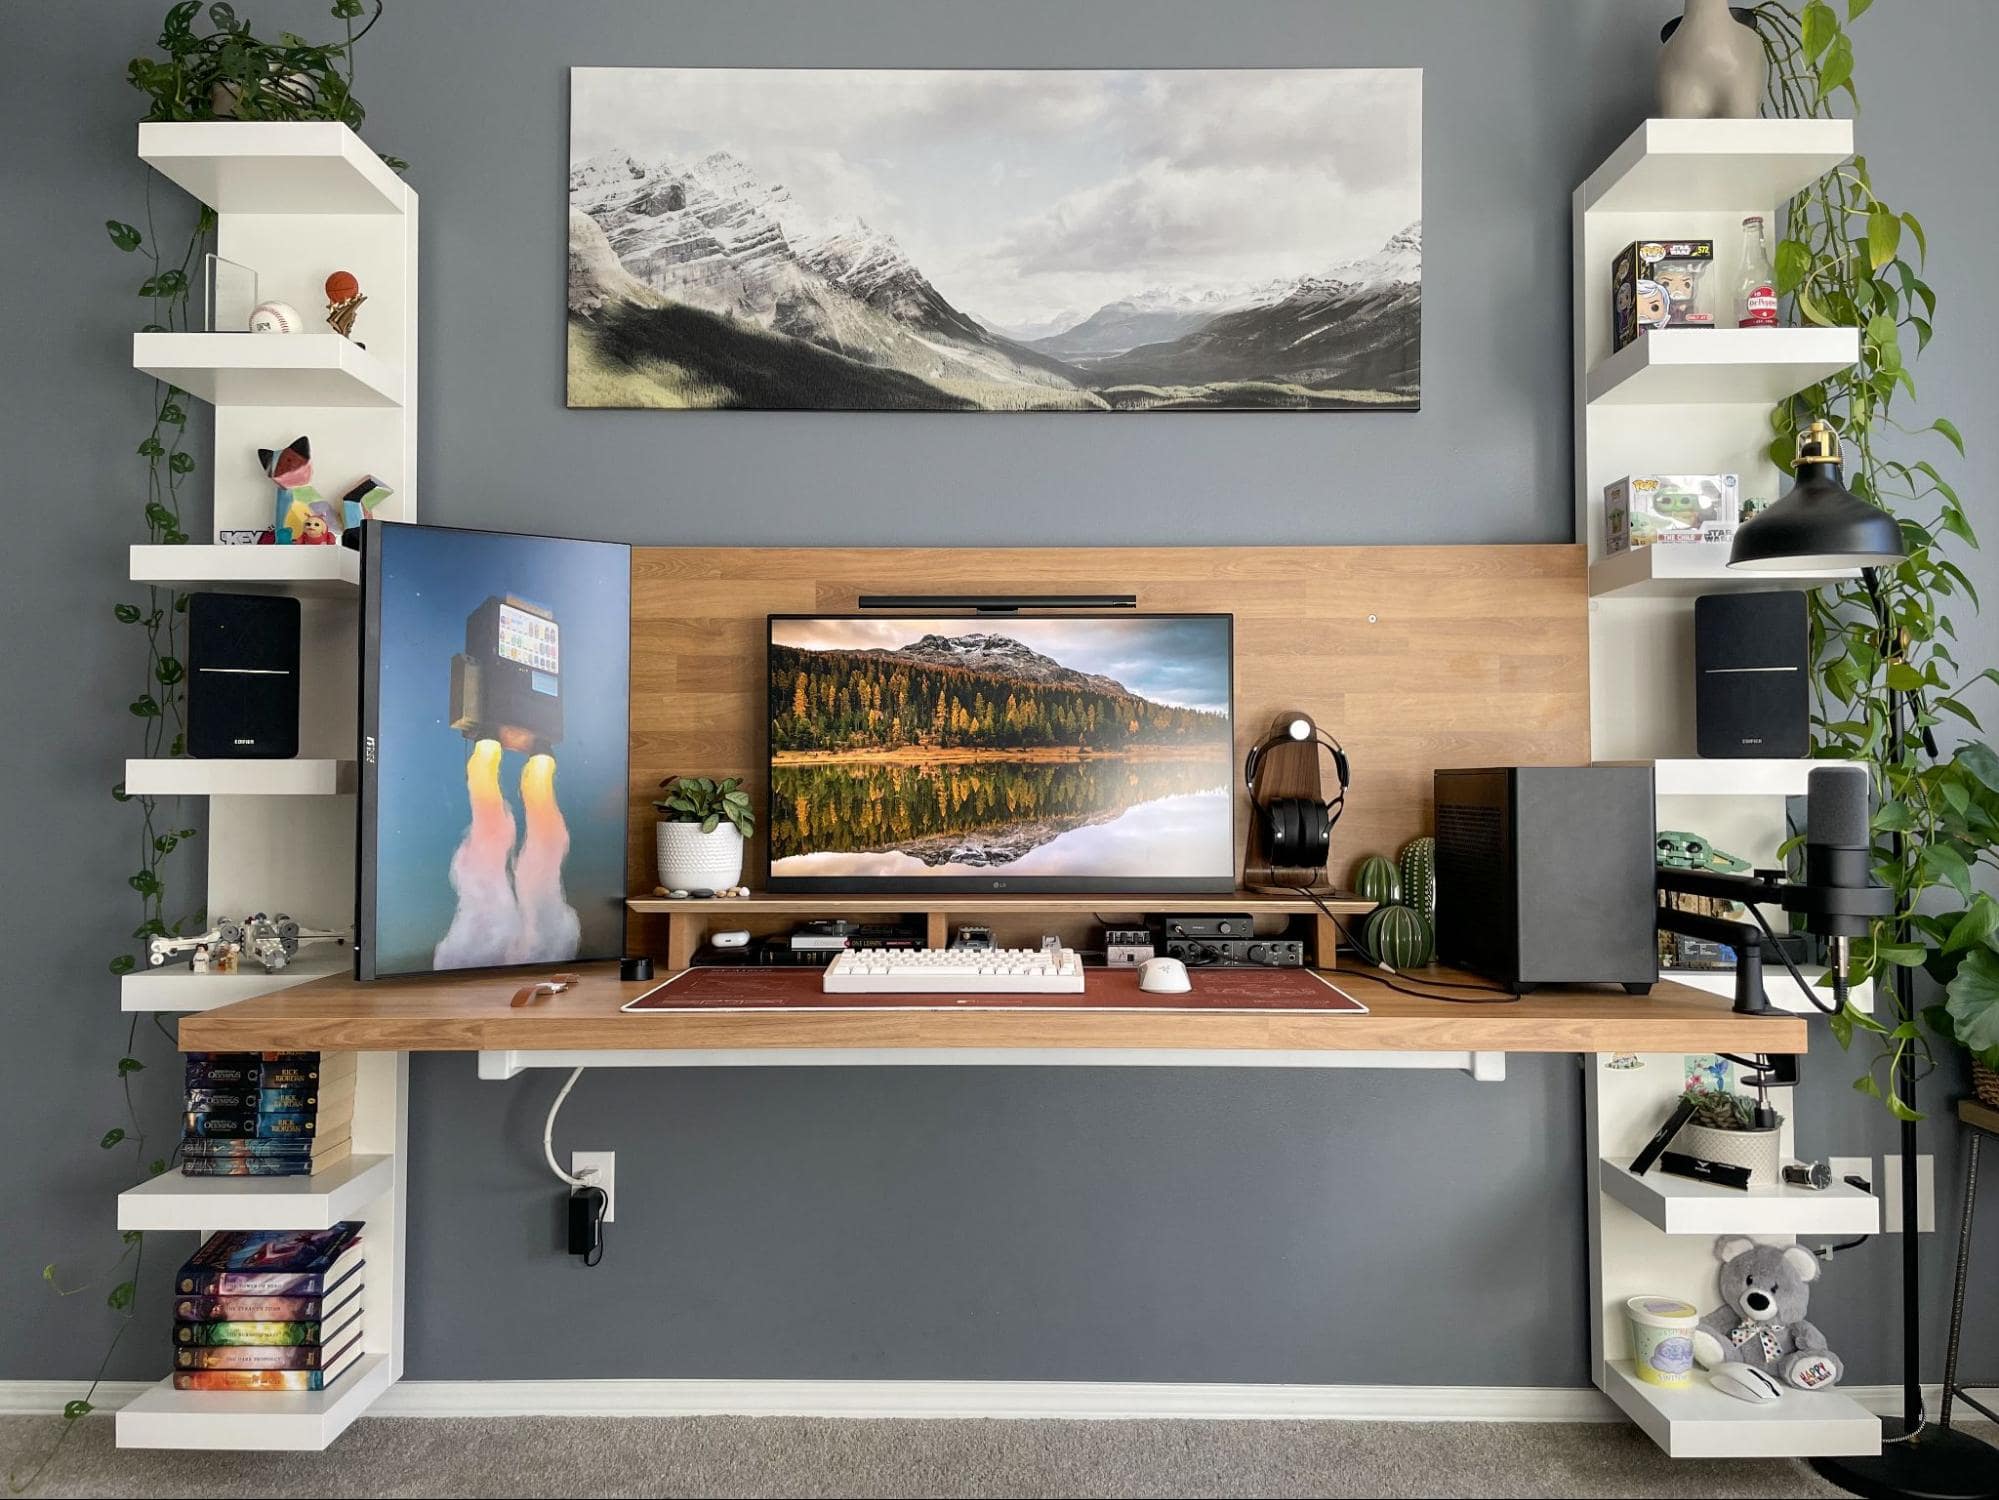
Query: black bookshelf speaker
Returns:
{"type": "Point", "coordinates": [242, 676]}
{"type": "Point", "coordinates": [1752, 690]}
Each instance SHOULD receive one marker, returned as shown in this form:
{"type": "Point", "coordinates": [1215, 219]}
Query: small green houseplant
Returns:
{"type": "Point", "coordinates": [1723, 1128]}
{"type": "Point", "coordinates": [703, 825]}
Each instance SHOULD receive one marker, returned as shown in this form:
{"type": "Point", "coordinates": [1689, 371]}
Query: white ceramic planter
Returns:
{"type": "Point", "coordinates": [692, 860]}
{"type": "Point", "coordinates": [1754, 1149]}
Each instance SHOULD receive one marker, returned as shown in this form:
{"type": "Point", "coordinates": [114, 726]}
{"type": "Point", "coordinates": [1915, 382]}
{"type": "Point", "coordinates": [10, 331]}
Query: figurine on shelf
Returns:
{"type": "Point", "coordinates": [360, 501]}
{"type": "Point", "coordinates": [290, 469]}
{"type": "Point", "coordinates": [199, 963]}
{"type": "Point", "coordinates": [343, 300]}
{"type": "Point", "coordinates": [319, 526]}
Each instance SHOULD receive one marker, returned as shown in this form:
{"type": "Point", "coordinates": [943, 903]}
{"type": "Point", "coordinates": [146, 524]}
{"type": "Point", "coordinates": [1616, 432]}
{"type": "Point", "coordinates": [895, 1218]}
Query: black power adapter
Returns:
{"type": "Point", "coordinates": [587, 1206]}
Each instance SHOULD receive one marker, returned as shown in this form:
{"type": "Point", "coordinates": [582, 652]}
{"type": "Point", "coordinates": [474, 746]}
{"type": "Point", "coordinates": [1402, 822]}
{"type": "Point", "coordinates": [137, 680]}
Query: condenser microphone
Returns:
{"type": "Point", "coordinates": [1838, 848]}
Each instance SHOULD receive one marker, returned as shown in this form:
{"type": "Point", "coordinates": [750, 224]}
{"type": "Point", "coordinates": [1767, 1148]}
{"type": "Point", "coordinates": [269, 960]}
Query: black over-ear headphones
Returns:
{"type": "Point", "coordinates": [1297, 831]}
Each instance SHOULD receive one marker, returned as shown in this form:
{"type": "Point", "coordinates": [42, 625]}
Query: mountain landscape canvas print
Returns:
{"type": "Point", "coordinates": [991, 240]}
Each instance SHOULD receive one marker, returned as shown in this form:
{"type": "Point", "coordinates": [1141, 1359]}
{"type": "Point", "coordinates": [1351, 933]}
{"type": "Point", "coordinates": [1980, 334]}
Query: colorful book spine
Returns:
{"type": "Point", "coordinates": [299, 1331]}
{"type": "Point", "coordinates": [256, 1357]}
{"type": "Point", "coordinates": [248, 1166]}
{"type": "Point", "coordinates": [241, 1146]}
{"type": "Point", "coordinates": [252, 1069]}
{"type": "Point", "coordinates": [239, 1100]}
{"type": "Point", "coordinates": [254, 1380]}
{"type": "Point", "coordinates": [278, 1125]}
{"type": "Point", "coordinates": [246, 1309]}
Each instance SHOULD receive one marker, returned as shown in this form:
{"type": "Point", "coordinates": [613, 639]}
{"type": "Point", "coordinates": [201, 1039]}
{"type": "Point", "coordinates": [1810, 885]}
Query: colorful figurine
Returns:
{"type": "Point", "coordinates": [290, 469]}
{"type": "Point", "coordinates": [1655, 308]}
{"type": "Point", "coordinates": [343, 300]}
{"type": "Point", "coordinates": [318, 527]}
{"type": "Point", "coordinates": [360, 501]}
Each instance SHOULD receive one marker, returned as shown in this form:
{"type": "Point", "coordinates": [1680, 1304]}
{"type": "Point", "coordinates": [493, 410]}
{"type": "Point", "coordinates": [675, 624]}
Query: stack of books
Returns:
{"type": "Point", "coordinates": [269, 1310]}
{"type": "Point", "coordinates": [267, 1114]}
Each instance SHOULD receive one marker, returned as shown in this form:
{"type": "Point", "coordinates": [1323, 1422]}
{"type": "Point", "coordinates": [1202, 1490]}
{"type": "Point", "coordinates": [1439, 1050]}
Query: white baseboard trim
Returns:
{"type": "Point", "coordinates": [999, 1399]}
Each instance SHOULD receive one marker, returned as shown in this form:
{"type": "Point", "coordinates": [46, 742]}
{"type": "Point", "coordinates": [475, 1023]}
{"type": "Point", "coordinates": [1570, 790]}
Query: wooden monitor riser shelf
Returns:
{"type": "Point", "coordinates": [472, 1014]}
{"type": "Point", "coordinates": [689, 922]}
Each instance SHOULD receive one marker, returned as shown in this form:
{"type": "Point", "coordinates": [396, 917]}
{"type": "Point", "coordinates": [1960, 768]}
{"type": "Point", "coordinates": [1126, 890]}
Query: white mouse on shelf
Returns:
{"type": "Point", "coordinates": [1163, 976]}
{"type": "Point", "coordinates": [1746, 1382]}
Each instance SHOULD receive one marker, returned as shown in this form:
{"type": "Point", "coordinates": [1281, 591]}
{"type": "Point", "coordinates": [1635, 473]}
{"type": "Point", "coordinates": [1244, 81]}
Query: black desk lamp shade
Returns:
{"type": "Point", "coordinates": [1820, 524]}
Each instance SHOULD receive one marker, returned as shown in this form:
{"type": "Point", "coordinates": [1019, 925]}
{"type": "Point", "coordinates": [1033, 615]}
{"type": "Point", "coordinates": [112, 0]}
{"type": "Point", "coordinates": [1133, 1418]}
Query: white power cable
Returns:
{"type": "Point", "coordinates": [548, 1133]}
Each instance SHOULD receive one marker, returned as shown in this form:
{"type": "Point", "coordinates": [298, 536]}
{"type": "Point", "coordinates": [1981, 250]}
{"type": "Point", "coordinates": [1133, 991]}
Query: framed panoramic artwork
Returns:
{"type": "Point", "coordinates": [988, 240]}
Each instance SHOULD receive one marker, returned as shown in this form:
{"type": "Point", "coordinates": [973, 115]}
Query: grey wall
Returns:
{"type": "Point", "coordinates": [1151, 1225]}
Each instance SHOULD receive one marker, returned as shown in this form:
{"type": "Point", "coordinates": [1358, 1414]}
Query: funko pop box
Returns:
{"type": "Point", "coordinates": [1658, 284]}
{"type": "Point", "coordinates": [1645, 510]}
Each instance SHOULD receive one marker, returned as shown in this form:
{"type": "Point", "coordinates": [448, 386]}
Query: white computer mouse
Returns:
{"type": "Point", "coordinates": [1163, 976]}
{"type": "Point", "coordinates": [1750, 1383]}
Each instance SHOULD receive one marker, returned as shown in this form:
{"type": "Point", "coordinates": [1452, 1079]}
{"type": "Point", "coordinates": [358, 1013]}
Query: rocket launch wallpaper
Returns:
{"type": "Point", "coordinates": [495, 706]}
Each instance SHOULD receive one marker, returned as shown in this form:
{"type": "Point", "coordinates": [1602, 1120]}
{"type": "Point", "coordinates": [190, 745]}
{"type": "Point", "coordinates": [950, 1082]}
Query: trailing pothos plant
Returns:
{"type": "Point", "coordinates": [224, 72]}
{"type": "Point", "coordinates": [1848, 258]}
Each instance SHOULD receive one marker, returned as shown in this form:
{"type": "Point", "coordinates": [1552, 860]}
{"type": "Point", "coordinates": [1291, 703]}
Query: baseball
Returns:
{"type": "Point", "coordinates": [341, 285]}
{"type": "Point", "coordinates": [275, 317]}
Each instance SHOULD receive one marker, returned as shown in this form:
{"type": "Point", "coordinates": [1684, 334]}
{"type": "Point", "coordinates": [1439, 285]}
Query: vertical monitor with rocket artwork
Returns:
{"type": "Point", "coordinates": [494, 712]}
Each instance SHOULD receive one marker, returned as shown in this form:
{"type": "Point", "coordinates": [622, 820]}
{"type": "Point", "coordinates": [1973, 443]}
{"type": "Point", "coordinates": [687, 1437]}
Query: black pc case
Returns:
{"type": "Point", "coordinates": [1545, 874]}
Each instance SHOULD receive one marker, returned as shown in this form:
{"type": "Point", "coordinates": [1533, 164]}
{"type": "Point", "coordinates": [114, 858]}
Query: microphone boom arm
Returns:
{"type": "Point", "coordinates": [1839, 913]}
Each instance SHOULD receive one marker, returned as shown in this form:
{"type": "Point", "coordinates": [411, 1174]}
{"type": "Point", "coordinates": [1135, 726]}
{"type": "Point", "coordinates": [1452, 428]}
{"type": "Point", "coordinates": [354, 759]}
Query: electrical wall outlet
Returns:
{"type": "Point", "coordinates": [1890, 1188]}
{"type": "Point", "coordinates": [600, 1169]}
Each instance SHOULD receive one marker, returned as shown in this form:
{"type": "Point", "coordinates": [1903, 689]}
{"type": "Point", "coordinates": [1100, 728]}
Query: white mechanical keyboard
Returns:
{"type": "Point", "coordinates": [954, 971]}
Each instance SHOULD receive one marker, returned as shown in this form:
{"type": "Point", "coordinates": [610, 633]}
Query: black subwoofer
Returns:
{"type": "Point", "coordinates": [1752, 692]}
{"type": "Point", "coordinates": [242, 676]}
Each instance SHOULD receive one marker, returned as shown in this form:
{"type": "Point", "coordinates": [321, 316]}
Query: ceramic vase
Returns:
{"type": "Point", "coordinates": [1712, 66]}
{"type": "Point", "coordinates": [690, 860]}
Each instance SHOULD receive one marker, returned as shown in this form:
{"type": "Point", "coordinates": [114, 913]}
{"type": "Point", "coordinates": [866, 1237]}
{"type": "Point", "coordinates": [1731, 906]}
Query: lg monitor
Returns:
{"type": "Point", "coordinates": [1070, 753]}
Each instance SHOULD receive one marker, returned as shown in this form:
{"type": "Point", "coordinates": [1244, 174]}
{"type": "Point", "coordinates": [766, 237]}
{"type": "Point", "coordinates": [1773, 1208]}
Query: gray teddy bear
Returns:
{"type": "Point", "coordinates": [1761, 1320]}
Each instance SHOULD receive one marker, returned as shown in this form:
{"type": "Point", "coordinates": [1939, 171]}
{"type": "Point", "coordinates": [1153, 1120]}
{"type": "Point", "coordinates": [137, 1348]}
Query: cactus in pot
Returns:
{"type": "Point", "coordinates": [1376, 879]}
{"type": "Point", "coordinates": [1419, 877]}
{"type": "Point", "coordinates": [1398, 936]}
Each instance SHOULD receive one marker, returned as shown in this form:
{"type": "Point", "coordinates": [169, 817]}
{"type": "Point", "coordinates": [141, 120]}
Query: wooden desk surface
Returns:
{"type": "Point", "coordinates": [459, 1014]}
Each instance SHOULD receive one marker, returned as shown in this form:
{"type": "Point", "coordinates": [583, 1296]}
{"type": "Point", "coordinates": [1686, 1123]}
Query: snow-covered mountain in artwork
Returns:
{"type": "Point", "coordinates": [695, 279]}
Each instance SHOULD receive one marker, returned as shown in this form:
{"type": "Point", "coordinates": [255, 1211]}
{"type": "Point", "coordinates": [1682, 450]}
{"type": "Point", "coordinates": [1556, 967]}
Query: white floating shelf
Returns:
{"type": "Point", "coordinates": [333, 572]}
{"type": "Point", "coordinates": [1778, 987]}
{"type": "Point", "coordinates": [240, 778]}
{"type": "Point", "coordinates": [1702, 1422]}
{"type": "Point", "coordinates": [177, 988]}
{"type": "Point", "coordinates": [1680, 1205]}
{"type": "Point", "coordinates": [1727, 778]}
{"type": "Point", "coordinates": [1689, 569]}
{"type": "Point", "coordinates": [1700, 166]}
{"type": "Point", "coordinates": [204, 1204]}
{"type": "Point", "coordinates": [1721, 366]}
{"type": "Point", "coordinates": [273, 167]}
{"type": "Point", "coordinates": [269, 369]}
{"type": "Point", "coordinates": [295, 1421]}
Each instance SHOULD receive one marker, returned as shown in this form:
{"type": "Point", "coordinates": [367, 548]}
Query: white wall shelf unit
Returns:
{"type": "Point", "coordinates": [1690, 401]}
{"type": "Point", "coordinates": [269, 369]}
{"type": "Point", "coordinates": [205, 1204]}
{"type": "Point", "coordinates": [1667, 166]}
{"type": "Point", "coordinates": [1701, 1422]}
{"type": "Point", "coordinates": [1720, 366]}
{"type": "Point", "coordinates": [1680, 1205]}
{"type": "Point", "coordinates": [1686, 571]}
{"type": "Point", "coordinates": [294, 202]}
{"type": "Point", "coordinates": [186, 777]}
{"type": "Point", "coordinates": [296, 1421]}
{"type": "Point", "coordinates": [308, 572]}
{"type": "Point", "coordinates": [176, 988]}
{"type": "Point", "coordinates": [252, 167]}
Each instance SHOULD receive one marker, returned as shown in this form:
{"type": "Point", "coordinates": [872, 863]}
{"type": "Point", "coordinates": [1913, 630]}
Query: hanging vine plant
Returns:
{"type": "Point", "coordinates": [222, 73]}
{"type": "Point", "coordinates": [1849, 259]}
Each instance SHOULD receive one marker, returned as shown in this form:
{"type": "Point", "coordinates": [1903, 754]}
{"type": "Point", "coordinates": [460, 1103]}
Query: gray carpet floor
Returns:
{"type": "Point", "coordinates": [730, 1456]}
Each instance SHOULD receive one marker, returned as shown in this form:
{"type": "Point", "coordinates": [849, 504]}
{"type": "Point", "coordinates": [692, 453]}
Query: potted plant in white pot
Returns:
{"type": "Point", "coordinates": [1724, 1129]}
{"type": "Point", "coordinates": [703, 824]}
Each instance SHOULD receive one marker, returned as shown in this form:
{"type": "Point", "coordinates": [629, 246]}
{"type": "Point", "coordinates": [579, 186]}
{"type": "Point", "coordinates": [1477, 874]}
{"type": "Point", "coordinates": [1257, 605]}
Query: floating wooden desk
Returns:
{"type": "Point", "coordinates": [584, 1025]}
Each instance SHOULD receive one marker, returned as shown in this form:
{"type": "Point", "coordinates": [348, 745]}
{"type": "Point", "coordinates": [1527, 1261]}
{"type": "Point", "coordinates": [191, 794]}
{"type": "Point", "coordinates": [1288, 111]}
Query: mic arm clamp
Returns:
{"type": "Point", "coordinates": [1839, 913]}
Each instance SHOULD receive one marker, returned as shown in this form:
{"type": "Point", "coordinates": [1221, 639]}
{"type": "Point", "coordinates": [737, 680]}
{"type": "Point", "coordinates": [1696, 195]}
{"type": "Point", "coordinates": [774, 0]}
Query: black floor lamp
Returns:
{"type": "Point", "coordinates": [1821, 525]}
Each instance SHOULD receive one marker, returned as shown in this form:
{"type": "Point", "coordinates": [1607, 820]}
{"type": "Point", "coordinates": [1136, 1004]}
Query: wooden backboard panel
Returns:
{"type": "Point", "coordinates": [1413, 657]}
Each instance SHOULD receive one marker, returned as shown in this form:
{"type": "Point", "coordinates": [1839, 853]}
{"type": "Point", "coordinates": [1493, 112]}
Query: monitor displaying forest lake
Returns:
{"type": "Point", "coordinates": [1083, 747]}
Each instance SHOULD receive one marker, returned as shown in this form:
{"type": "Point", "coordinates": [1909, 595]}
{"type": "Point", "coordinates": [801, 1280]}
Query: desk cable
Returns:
{"type": "Point", "coordinates": [1487, 994]}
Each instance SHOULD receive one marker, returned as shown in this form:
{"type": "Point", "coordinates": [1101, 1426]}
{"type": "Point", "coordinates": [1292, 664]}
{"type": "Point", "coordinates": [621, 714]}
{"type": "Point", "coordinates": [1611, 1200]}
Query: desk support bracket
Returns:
{"type": "Point", "coordinates": [1486, 1067]}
